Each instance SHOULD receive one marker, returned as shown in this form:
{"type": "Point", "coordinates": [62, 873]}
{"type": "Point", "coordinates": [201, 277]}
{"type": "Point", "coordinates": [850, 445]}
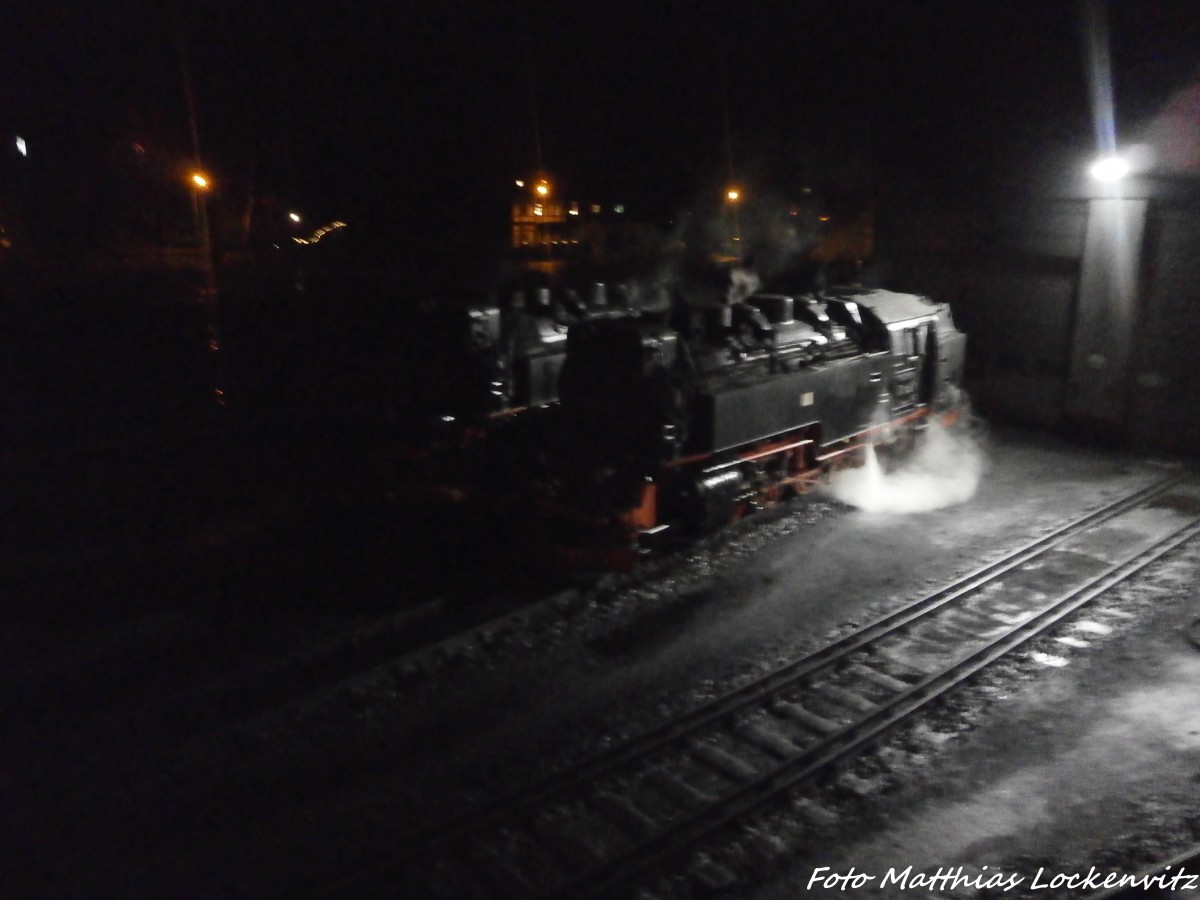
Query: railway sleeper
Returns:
{"type": "Point", "coordinates": [810, 720]}
{"type": "Point", "coordinates": [723, 761]}
{"type": "Point", "coordinates": [674, 788]}
{"type": "Point", "coordinates": [880, 679]}
{"type": "Point", "coordinates": [575, 837]}
{"type": "Point", "coordinates": [712, 876]}
{"type": "Point", "coordinates": [767, 739]}
{"type": "Point", "coordinates": [845, 698]}
{"type": "Point", "coordinates": [625, 813]}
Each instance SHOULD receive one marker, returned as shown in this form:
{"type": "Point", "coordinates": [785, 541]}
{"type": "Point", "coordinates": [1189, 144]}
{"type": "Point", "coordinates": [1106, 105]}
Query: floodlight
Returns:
{"type": "Point", "coordinates": [1110, 168]}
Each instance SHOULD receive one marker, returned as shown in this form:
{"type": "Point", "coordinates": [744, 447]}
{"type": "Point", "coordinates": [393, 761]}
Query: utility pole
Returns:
{"type": "Point", "coordinates": [733, 194]}
{"type": "Point", "coordinates": [199, 195]}
{"type": "Point", "coordinates": [200, 185]}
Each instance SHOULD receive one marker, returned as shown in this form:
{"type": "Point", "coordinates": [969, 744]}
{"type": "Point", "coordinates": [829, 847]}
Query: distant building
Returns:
{"type": "Point", "coordinates": [548, 231]}
{"type": "Point", "coordinates": [538, 217]}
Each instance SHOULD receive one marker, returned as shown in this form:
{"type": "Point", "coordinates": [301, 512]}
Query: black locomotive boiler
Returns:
{"type": "Point", "coordinates": [692, 422]}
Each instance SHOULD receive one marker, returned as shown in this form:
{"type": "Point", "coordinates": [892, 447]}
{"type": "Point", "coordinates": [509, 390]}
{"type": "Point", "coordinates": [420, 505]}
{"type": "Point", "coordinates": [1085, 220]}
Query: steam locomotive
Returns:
{"type": "Point", "coordinates": [689, 422]}
{"type": "Point", "coordinates": [484, 376]}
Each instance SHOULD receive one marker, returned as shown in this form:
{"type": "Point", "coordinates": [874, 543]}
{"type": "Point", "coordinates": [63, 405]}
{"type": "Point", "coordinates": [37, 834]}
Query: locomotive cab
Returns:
{"type": "Point", "coordinates": [926, 351]}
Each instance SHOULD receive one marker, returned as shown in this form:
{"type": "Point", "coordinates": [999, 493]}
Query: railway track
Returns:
{"type": "Point", "coordinates": [613, 822]}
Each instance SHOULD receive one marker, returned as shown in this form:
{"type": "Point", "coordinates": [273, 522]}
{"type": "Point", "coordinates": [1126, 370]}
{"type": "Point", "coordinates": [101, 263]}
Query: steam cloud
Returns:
{"type": "Point", "coordinates": [943, 470]}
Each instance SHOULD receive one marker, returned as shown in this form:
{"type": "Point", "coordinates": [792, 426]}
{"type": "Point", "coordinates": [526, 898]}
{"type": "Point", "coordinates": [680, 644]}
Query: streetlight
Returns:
{"type": "Point", "coordinates": [295, 217]}
{"type": "Point", "coordinates": [201, 184]}
{"type": "Point", "coordinates": [732, 196]}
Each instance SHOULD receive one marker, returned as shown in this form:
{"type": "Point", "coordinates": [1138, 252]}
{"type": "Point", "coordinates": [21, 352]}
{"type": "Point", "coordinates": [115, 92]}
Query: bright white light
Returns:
{"type": "Point", "coordinates": [1110, 168]}
{"type": "Point", "coordinates": [295, 217]}
{"type": "Point", "coordinates": [21, 148]}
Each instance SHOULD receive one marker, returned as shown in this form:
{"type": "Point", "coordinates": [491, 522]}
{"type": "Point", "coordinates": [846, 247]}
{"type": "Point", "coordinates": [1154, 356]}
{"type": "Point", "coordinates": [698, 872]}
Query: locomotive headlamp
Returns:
{"type": "Point", "coordinates": [1110, 168]}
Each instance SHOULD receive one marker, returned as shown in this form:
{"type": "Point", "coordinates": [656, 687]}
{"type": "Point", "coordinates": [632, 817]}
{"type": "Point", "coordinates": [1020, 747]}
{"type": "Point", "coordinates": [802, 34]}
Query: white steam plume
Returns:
{"type": "Point", "coordinates": [943, 470]}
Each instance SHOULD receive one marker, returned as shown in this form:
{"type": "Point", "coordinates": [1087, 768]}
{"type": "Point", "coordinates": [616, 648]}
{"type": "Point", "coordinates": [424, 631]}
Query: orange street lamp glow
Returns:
{"type": "Point", "coordinates": [200, 180]}
{"type": "Point", "coordinates": [542, 189]}
{"type": "Point", "coordinates": [732, 195]}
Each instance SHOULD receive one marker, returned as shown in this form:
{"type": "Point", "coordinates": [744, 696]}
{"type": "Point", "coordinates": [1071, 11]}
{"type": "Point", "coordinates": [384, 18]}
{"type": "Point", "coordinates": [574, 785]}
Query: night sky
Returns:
{"type": "Point", "coordinates": [405, 113]}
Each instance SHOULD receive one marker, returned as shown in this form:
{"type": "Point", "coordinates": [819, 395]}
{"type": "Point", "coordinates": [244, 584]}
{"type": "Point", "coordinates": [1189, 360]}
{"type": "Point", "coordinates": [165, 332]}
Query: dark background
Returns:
{"type": "Point", "coordinates": [411, 120]}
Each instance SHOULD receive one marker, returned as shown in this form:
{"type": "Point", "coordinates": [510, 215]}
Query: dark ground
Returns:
{"type": "Point", "coordinates": [264, 718]}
